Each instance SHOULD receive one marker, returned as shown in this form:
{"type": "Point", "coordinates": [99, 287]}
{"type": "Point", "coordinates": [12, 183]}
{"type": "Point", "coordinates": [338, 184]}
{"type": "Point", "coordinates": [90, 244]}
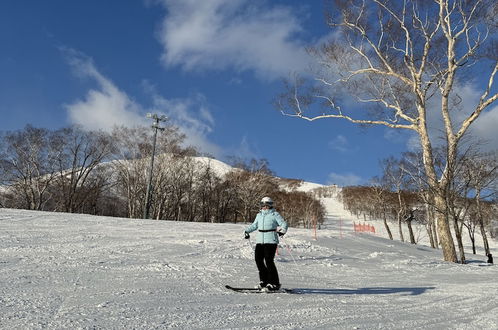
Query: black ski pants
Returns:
{"type": "Point", "coordinates": [264, 256]}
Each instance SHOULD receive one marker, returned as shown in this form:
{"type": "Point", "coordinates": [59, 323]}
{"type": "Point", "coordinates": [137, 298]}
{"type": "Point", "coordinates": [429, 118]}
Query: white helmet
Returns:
{"type": "Point", "coordinates": [266, 201]}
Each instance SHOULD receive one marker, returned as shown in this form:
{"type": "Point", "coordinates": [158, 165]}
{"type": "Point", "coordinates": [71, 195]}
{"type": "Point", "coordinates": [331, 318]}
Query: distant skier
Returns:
{"type": "Point", "coordinates": [490, 258]}
{"type": "Point", "coordinates": [267, 222]}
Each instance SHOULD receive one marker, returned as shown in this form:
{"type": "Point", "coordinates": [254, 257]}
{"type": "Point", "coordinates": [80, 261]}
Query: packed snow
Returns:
{"type": "Point", "coordinates": [68, 271]}
{"type": "Point", "coordinates": [220, 168]}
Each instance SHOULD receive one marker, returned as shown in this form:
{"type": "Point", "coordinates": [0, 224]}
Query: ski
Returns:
{"type": "Point", "coordinates": [255, 290]}
{"type": "Point", "coordinates": [241, 289]}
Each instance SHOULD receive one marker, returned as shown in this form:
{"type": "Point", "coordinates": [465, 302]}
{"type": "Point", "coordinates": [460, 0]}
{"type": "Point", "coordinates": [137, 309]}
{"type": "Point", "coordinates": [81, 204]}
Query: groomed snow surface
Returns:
{"type": "Point", "coordinates": [67, 271]}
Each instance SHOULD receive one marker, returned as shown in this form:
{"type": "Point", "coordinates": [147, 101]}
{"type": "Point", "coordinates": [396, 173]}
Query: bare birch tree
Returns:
{"type": "Point", "coordinates": [413, 166]}
{"type": "Point", "coordinates": [79, 154]}
{"type": "Point", "coordinates": [396, 180]}
{"type": "Point", "coordinates": [131, 162]}
{"type": "Point", "coordinates": [407, 59]}
{"type": "Point", "coordinates": [482, 173]}
{"type": "Point", "coordinates": [28, 165]}
{"type": "Point", "coordinates": [379, 199]}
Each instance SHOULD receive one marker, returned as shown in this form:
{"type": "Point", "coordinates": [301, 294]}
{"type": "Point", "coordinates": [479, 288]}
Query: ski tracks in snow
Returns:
{"type": "Point", "coordinates": [94, 272]}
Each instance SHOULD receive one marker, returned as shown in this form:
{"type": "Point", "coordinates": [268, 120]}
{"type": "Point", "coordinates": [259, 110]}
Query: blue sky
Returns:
{"type": "Point", "coordinates": [213, 67]}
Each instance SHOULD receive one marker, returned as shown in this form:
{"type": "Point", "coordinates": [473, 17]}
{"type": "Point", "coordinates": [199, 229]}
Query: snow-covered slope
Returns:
{"type": "Point", "coordinates": [66, 271]}
{"type": "Point", "coordinates": [218, 167]}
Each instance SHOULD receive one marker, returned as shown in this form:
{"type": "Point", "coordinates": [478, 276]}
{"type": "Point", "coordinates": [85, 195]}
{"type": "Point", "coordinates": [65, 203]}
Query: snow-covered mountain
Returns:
{"type": "Point", "coordinates": [218, 167]}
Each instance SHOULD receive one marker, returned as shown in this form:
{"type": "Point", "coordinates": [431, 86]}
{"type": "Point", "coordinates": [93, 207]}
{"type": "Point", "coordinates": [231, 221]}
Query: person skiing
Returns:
{"type": "Point", "coordinates": [270, 226]}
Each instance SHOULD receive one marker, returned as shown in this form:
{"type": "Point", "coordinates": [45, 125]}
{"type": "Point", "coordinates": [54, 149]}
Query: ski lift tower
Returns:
{"type": "Point", "coordinates": [157, 119]}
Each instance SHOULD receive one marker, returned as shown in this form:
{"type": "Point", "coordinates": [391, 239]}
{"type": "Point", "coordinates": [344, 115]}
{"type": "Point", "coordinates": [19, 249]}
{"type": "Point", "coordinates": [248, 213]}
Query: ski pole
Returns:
{"type": "Point", "coordinates": [294, 259]}
{"type": "Point", "coordinates": [250, 244]}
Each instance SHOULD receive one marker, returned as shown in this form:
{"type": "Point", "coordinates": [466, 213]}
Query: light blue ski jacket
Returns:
{"type": "Point", "coordinates": [266, 223]}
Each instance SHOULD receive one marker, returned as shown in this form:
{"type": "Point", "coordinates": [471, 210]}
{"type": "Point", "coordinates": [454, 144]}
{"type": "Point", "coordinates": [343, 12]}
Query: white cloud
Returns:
{"type": "Point", "coordinates": [413, 142]}
{"type": "Point", "coordinates": [102, 108]}
{"type": "Point", "coordinates": [245, 149]}
{"type": "Point", "coordinates": [107, 106]}
{"type": "Point", "coordinates": [235, 34]}
{"type": "Point", "coordinates": [483, 129]}
{"type": "Point", "coordinates": [191, 115]}
{"type": "Point", "coordinates": [340, 143]}
{"type": "Point", "coordinates": [343, 180]}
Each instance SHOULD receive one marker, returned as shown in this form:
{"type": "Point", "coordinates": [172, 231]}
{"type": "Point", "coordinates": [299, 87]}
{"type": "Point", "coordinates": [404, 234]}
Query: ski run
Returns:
{"type": "Point", "coordinates": [70, 271]}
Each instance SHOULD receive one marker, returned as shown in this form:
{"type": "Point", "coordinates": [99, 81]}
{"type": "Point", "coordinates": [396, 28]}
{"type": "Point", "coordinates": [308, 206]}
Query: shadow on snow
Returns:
{"type": "Point", "coordinates": [378, 290]}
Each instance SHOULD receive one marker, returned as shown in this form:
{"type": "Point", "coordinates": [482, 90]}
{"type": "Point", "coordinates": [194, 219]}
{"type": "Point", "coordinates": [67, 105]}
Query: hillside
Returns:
{"type": "Point", "coordinates": [78, 271]}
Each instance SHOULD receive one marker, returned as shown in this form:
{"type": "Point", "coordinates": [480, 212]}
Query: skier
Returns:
{"type": "Point", "coordinates": [270, 225]}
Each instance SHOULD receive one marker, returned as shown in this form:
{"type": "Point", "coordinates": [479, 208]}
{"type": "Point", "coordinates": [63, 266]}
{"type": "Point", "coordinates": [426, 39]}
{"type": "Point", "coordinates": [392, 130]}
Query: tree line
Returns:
{"type": "Point", "coordinates": [402, 195]}
{"type": "Point", "coordinates": [95, 172]}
